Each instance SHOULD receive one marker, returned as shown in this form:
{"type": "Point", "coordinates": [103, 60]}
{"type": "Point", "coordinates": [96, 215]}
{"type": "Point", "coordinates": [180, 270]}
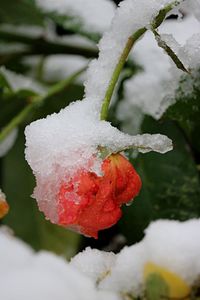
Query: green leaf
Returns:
{"type": "Point", "coordinates": [24, 217]}
{"type": "Point", "coordinates": [186, 109]}
{"type": "Point", "coordinates": [156, 288]}
{"type": "Point", "coordinates": [170, 188]}
{"type": "Point", "coordinates": [161, 43]}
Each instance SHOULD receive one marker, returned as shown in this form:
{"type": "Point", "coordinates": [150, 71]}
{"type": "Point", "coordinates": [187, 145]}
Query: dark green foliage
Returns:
{"type": "Point", "coordinates": [171, 187]}
{"type": "Point", "coordinates": [24, 217]}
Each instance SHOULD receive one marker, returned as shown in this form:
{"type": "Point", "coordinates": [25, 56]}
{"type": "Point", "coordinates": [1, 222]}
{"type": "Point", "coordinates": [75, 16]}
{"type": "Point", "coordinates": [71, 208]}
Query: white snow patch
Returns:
{"type": "Point", "coordinates": [126, 275]}
{"type": "Point", "coordinates": [172, 245]}
{"type": "Point", "coordinates": [2, 196]}
{"type": "Point", "coordinates": [95, 15]}
{"type": "Point", "coordinates": [41, 275]}
{"type": "Point", "coordinates": [19, 82]}
{"type": "Point", "coordinates": [59, 67]}
{"type": "Point", "coordinates": [94, 263]}
{"type": "Point", "coordinates": [176, 246]}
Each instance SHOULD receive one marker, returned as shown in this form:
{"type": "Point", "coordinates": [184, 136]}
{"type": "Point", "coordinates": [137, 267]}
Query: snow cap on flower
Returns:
{"type": "Point", "coordinates": [64, 147]}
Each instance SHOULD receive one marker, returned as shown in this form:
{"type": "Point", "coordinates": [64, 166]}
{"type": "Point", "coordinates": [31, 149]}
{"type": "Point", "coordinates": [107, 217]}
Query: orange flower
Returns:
{"type": "Point", "coordinates": [89, 203]}
{"type": "Point", "coordinates": [4, 208]}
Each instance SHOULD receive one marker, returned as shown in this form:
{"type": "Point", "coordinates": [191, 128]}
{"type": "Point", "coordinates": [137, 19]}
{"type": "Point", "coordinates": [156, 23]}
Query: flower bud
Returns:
{"type": "Point", "coordinates": [89, 203]}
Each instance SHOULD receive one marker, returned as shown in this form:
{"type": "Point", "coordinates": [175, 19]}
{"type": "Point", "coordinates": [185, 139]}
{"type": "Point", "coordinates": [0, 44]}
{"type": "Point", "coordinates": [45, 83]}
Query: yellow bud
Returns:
{"type": "Point", "coordinates": [177, 288]}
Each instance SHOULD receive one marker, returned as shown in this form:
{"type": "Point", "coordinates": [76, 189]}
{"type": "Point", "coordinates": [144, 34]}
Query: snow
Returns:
{"type": "Point", "coordinates": [62, 144]}
{"type": "Point", "coordinates": [153, 90]}
{"type": "Point", "coordinates": [113, 41]}
{"type": "Point", "coordinates": [2, 195]}
{"type": "Point", "coordinates": [19, 82]}
{"type": "Point", "coordinates": [31, 31]}
{"type": "Point", "coordinates": [176, 246]}
{"type": "Point", "coordinates": [126, 276]}
{"type": "Point", "coordinates": [94, 263]}
{"type": "Point", "coordinates": [93, 274]}
{"type": "Point", "coordinates": [192, 6]}
{"type": "Point", "coordinates": [59, 67]}
{"type": "Point", "coordinates": [8, 142]}
{"type": "Point", "coordinates": [94, 15]}
{"type": "Point", "coordinates": [172, 245]}
{"type": "Point", "coordinates": [41, 275]}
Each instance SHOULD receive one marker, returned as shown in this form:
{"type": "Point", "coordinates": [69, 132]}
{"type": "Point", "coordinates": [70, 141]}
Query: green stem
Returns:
{"type": "Point", "coordinates": [131, 41]}
{"type": "Point", "coordinates": [37, 101]}
{"type": "Point", "coordinates": [115, 76]}
{"type": "Point", "coordinates": [16, 121]}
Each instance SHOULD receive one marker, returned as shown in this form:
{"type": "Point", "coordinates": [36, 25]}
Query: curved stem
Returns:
{"type": "Point", "coordinates": [131, 41]}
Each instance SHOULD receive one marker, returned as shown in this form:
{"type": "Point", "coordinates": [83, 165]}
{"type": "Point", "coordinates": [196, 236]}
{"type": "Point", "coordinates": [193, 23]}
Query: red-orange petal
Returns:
{"type": "Point", "coordinates": [89, 203]}
{"type": "Point", "coordinates": [4, 208]}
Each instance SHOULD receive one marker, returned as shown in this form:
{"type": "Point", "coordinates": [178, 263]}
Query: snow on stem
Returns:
{"type": "Point", "coordinates": [117, 71]}
{"type": "Point", "coordinates": [157, 21]}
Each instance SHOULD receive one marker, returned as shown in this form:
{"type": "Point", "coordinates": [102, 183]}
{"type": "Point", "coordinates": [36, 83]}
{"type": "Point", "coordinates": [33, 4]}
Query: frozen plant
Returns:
{"type": "Point", "coordinates": [82, 179]}
{"type": "Point", "coordinates": [160, 76]}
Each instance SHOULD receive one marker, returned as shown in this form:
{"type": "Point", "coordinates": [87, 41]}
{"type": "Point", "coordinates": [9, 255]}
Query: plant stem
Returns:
{"type": "Point", "coordinates": [36, 101]}
{"type": "Point", "coordinates": [131, 41]}
{"type": "Point", "coordinates": [16, 121]}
